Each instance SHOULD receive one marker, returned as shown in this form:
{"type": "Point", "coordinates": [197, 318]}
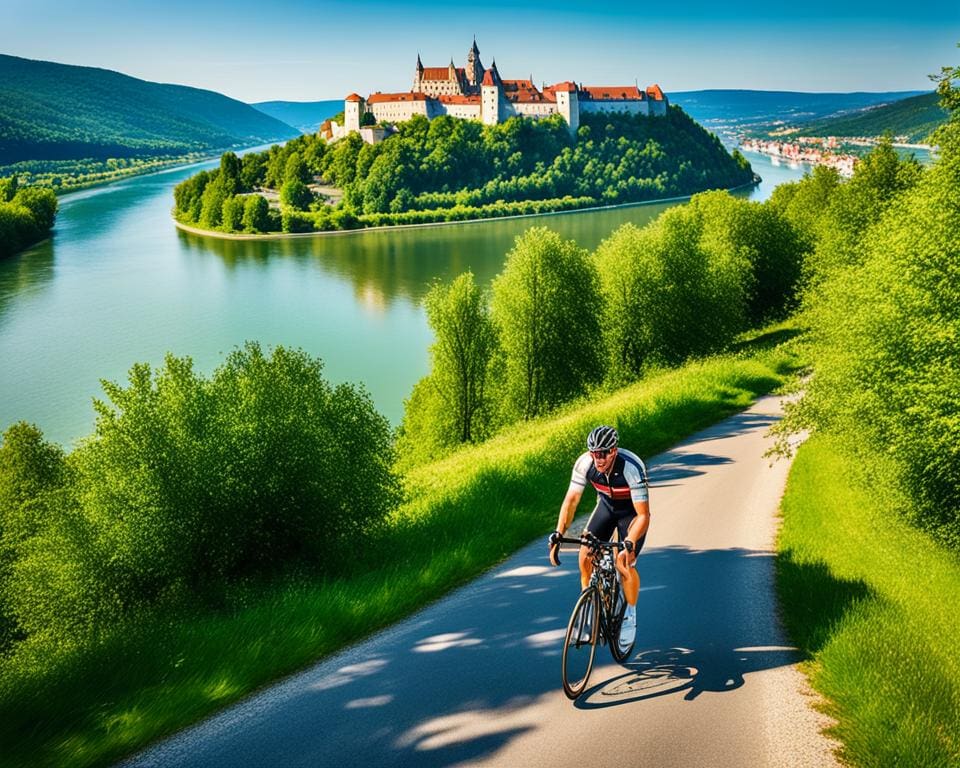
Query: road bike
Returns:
{"type": "Point", "coordinates": [596, 618]}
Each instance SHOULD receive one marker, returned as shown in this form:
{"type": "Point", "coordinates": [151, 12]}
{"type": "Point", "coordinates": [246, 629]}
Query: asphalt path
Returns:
{"type": "Point", "coordinates": [474, 679]}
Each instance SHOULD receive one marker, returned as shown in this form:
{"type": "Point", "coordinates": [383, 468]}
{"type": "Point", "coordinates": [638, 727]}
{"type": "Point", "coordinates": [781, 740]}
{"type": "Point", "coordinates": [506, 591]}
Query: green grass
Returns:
{"type": "Point", "coordinates": [92, 705]}
{"type": "Point", "coordinates": [873, 603]}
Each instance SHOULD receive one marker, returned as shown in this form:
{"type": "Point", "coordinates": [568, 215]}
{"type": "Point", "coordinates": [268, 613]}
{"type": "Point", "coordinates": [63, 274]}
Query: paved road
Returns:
{"type": "Point", "coordinates": [475, 678]}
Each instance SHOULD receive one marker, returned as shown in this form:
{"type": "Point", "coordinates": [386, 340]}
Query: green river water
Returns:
{"type": "Point", "coordinates": [119, 284]}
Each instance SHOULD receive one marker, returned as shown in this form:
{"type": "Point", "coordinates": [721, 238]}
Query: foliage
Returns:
{"type": "Point", "coordinates": [31, 472]}
{"type": "Point", "coordinates": [255, 214]}
{"type": "Point", "coordinates": [546, 306]}
{"type": "Point", "coordinates": [26, 215]}
{"type": "Point", "coordinates": [186, 484]}
{"type": "Point", "coordinates": [453, 404]}
{"type": "Point", "coordinates": [447, 169]}
{"type": "Point", "coordinates": [679, 287]}
{"type": "Point", "coordinates": [295, 194]}
{"type": "Point", "coordinates": [885, 318]}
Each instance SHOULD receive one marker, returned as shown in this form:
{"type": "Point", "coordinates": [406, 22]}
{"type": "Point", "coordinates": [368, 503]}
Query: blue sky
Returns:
{"type": "Point", "coordinates": [305, 51]}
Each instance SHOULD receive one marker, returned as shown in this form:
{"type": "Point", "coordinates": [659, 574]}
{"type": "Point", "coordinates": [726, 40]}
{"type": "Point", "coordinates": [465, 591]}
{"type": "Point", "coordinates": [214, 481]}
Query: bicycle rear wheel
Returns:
{"type": "Point", "coordinates": [580, 643]}
{"type": "Point", "coordinates": [618, 650]}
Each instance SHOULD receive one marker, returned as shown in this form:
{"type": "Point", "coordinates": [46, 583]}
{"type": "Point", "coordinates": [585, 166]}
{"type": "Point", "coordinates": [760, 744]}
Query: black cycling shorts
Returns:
{"type": "Point", "coordinates": [604, 521]}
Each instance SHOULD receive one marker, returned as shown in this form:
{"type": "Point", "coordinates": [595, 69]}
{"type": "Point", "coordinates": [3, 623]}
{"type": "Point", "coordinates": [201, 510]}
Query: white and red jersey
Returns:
{"type": "Point", "coordinates": [626, 483]}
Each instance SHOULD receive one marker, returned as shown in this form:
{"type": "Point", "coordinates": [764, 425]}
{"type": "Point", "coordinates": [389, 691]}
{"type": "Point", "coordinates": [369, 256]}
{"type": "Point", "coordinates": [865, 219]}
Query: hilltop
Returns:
{"type": "Point", "coordinates": [732, 113]}
{"type": "Point", "coordinates": [56, 112]}
{"type": "Point", "coordinates": [912, 119]}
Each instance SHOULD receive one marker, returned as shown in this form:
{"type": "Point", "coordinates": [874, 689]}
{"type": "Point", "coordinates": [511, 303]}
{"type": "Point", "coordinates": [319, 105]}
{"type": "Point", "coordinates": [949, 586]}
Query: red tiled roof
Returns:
{"type": "Point", "coordinates": [488, 78]}
{"type": "Point", "coordinates": [566, 85]}
{"type": "Point", "coordinates": [523, 91]}
{"type": "Point", "coordinates": [353, 97]}
{"type": "Point", "coordinates": [450, 98]}
{"type": "Point", "coordinates": [611, 93]}
{"type": "Point", "coordinates": [654, 92]}
{"type": "Point", "coordinates": [382, 98]}
{"type": "Point", "coordinates": [439, 73]}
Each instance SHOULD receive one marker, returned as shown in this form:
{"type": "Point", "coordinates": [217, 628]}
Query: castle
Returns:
{"type": "Point", "coordinates": [478, 93]}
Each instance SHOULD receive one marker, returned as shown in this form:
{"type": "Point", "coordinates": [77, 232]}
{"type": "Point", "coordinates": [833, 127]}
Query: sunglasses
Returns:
{"type": "Point", "coordinates": [601, 454]}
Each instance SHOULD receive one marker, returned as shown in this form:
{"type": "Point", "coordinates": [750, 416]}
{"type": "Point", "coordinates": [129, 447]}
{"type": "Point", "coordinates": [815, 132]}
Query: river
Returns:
{"type": "Point", "coordinates": [119, 284]}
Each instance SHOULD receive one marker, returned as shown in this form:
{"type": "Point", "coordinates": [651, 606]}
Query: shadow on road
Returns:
{"type": "Point", "coordinates": [463, 679]}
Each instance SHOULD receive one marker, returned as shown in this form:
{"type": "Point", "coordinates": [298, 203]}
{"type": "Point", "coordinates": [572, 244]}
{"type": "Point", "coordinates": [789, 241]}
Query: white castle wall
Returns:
{"type": "Point", "coordinates": [630, 107]}
{"type": "Point", "coordinates": [398, 111]}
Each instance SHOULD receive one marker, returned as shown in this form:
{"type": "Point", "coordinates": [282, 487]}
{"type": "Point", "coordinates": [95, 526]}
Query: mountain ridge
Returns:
{"type": "Point", "coordinates": [54, 111]}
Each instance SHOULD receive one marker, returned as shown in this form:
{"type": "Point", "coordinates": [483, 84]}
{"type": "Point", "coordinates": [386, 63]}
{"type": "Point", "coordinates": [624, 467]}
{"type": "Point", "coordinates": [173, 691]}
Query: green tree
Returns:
{"type": "Point", "coordinates": [546, 307]}
{"type": "Point", "coordinates": [31, 470]}
{"type": "Point", "coordinates": [230, 168]}
{"type": "Point", "coordinates": [461, 354]}
{"type": "Point", "coordinates": [296, 169]}
{"type": "Point", "coordinates": [256, 214]}
{"type": "Point", "coordinates": [8, 188]}
{"type": "Point", "coordinates": [232, 216]}
{"type": "Point", "coordinates": [211, 203]}
{"type": "Point", "coordinates": [296, 195]}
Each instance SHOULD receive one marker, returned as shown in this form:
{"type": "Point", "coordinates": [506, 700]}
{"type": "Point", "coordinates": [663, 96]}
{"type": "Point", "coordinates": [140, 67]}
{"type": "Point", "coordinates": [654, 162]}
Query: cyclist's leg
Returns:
{"type": "Point", "coordinates": [601, 524]}
{"type": "Point", "coordinates": [629, 526]}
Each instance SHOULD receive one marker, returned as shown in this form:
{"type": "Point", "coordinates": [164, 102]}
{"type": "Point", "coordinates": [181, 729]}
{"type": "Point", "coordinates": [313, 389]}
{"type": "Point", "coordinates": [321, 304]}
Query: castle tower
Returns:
{"type": "Point", "coordinates": [568, 104]}
{"type": "Point", "coordinates": [353, 109]}
{"type": "Point", "coordinates": [418, 76]}
{"type": "Point", "coordinates": [490, 98]}
{"type": "Point", "coordinates": [474, 67]}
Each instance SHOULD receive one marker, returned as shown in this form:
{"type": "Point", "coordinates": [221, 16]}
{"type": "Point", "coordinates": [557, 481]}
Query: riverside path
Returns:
{"type": "Point", "coordinates": [474, 679]}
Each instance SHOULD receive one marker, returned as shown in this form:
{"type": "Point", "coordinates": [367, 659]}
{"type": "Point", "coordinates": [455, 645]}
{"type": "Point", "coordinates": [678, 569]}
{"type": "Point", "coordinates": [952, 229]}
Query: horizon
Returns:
{"type": "Point", "coordinates": [296, 51]}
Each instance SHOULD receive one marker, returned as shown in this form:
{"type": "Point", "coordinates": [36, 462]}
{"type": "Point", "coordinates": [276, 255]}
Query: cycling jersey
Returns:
{"type": "Point", "coordinates": [626, 483]}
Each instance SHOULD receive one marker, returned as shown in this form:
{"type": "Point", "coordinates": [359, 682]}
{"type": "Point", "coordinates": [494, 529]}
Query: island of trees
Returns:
{"type": "Point", "coordinates": [26, 215]}
{"type": "Point", "coordinates": [448, 169]}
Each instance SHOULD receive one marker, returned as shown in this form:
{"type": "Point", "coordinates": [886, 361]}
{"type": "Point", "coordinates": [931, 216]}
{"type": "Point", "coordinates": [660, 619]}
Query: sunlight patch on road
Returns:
{"type": "Point", "coordinates": [445, 642]}
{"type": "Point", "coordinates": [545, 639]}
{"type": "Point", "coordinates": [523, 570]}
{"type": "Point", "coordinates": [373, 701]}
{"type": "Point", "coordinates": [465, 727]}
{"type": "Point", "coordinates": [765, 648]}
{"type": "Point", "coordinates": [346, 675]}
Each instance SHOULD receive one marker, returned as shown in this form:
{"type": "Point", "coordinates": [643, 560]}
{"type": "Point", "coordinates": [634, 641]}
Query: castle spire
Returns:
{"type": "Point", "coordinates": [419, 63]}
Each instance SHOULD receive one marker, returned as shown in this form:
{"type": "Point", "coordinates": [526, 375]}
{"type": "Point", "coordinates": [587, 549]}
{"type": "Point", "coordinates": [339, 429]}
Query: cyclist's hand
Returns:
{"type": "Point", "coordinates": [554, 542]}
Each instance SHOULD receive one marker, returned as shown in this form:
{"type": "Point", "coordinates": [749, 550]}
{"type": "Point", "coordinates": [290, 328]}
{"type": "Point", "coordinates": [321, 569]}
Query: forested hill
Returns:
{"type": "Point", "coordinates": [305, 116]}
{"type": "Point", "coordinates": [914, 118]}
{"type": "Point", "coordinates": [52, 111]}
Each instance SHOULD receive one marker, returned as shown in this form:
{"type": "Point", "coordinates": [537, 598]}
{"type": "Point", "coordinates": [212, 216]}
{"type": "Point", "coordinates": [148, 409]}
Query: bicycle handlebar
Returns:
{"type": "Point", "coordinates": [593, 542]}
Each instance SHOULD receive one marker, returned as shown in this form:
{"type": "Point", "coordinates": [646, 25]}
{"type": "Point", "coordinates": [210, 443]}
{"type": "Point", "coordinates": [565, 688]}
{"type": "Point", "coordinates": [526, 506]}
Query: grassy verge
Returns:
{"type": "Point", "coordinates": [91, 705]}
{"type": "Point", "coordinates": [873, 603]}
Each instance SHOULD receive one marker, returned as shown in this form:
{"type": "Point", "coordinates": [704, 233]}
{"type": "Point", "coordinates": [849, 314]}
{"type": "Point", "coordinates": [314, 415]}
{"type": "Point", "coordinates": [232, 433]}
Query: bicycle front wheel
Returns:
{"type": "Point", "coordinates": [580, 643]}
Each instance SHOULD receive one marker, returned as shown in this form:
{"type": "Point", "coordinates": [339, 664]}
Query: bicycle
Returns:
{"type": "Point", "coordinates": [596, 617]}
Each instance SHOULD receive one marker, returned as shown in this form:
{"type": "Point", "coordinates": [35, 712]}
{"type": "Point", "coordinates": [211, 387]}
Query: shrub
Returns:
{"type": "Point", "coordinates": [187, 482]}
{"type": "Point", "coordinates": [546, 307]}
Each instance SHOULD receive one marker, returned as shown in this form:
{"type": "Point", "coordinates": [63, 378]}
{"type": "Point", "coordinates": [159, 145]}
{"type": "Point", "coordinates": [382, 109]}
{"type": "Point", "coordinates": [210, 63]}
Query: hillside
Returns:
{"type": "Point", "coordinates": [52, 111]}
{"type": "Point", "coordinates": [913, 118]}
{"type": "Point", "coordinates": [730, 113]}
{"type": "Point", "coordinates": [305, 116]}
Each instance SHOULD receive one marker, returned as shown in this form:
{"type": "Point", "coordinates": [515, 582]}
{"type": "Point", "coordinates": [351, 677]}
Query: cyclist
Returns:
{"type": "Point", "coordinates": [620, 479]}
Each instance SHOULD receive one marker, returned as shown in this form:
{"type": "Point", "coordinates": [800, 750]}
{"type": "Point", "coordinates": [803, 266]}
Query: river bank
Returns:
{"type": "Point", "coordinates": [301, 235]}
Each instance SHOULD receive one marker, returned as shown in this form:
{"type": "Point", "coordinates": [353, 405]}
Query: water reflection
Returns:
{"type": "Point", "coordinates": [25, 274]}
{"type": "Point", "coordinates": [402, 263]}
